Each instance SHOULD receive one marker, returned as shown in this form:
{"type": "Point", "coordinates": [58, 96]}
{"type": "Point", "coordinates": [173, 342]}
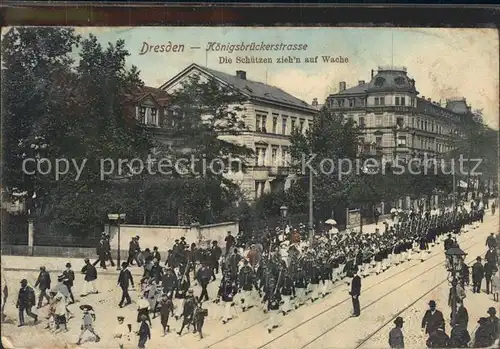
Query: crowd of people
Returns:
{"type": "Point", "coordinates": [276, 273]}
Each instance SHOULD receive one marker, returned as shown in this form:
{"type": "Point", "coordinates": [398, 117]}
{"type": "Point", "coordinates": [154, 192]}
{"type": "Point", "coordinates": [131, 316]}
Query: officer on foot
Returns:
{"type": "Point", "coordinates": [396, 338]}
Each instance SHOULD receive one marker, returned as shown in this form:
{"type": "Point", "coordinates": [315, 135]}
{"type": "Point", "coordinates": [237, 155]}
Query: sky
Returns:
{"type": "Point", "coordinates": [445, 63]}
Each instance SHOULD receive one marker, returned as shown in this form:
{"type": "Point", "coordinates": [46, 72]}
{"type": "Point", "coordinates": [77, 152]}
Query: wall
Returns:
{"type": "Point", "coordinates": [164, 236]}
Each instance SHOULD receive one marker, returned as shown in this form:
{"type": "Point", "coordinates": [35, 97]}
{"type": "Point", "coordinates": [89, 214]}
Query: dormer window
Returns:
{"type": "Point", "coordinates": [379, 82]}
{"type": "Point", "coordinates": [351, 103]}
{"type": "Point", "coordinates": [142, 114]}
{"type": "Point", "coordinates": [399, 80]}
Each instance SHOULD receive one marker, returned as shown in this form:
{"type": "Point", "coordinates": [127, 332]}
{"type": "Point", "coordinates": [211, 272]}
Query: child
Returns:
{"type": "Point", "coordinates": [88, 319]}
{"type": "Point", "coordinates": [144, 332]}
{"type": "Point", "coordinates": [143, 309]}
{"type": "Point", "coordinates": [166, 310]}
{"type": "Point", "coordinates": [122, 332]}
{"type": "Point", "coordinates": [199, 318]}
{"type": "Point", "coordinates": [61, 316]}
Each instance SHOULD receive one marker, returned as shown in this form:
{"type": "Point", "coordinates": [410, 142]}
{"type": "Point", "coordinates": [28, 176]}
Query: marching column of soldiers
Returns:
{"type": "Point", "coordinates": [276, 274]}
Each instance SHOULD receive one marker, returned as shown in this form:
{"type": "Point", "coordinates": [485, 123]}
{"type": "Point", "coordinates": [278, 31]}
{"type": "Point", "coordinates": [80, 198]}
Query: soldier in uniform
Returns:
{"type": "Point", "coordinates": [315, 277]}
{"type": "Point", "coordinates": [247, 284]}
{"type": "Point", "coordinates": [227, 290]}
{"type": "Point", "coordinates": [326, 272]}
{"type": "Point", "coordinates": [287, 290]}
{"type": "Point", "coordinates": [300, 284]}
{"type": "Point", "coordinates": [199, 317]}
{"type": "Point", "coordinates": [273, 306]}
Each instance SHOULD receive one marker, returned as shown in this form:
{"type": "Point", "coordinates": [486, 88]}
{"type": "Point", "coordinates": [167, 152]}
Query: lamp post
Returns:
{"type": "Point", "coordinates": [117, 217]}
{"type": "Point", "coordinates": [283, 213]}
{"type": "Point", "coordinates": [455, 257]}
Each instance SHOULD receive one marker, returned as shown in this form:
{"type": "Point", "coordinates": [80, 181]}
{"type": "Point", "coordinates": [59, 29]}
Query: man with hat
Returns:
{"type": "Point", "coordinates": [124, 280]}
{"type": "Point", "coordinates": [477, 275]}
{"type": "Point", "coordinates": [133, 251]}
{"type": "Point", "coordinates": [459, 336]}
{"type": "Point", "coordinates": [215, 254]}
{"type": "Point", "coordinates": [69, 278]}
{"type": "Point", "coordinates": [88, 319]}
{"type": "Point", "coordinates": [43, 282]}
{"type": "Point", "coordinates": [483, 335]}
{"type": "Point", "coordinates": [144, 332]}
{"type": "Point", "coordinates": [433, 319]}
{"type": "Point", "coordinates": [493, 323]}
{"type": "Point", "coordinates": [25, 300]}
{"type": "Point", "coordinates": [90, 273]}
{"type": "Point", "coordinates": [156, 254]}
{"type": "Point", "coordinates": [203, 277]}
{"type": "Point", "coordinates": [166, 310]}
{"type": "Point", "coordinates": [122, 332]}
{"type": "Point", "coordinates": [187, 310]}
{"type": "Point", "coordinates": [396, 338]}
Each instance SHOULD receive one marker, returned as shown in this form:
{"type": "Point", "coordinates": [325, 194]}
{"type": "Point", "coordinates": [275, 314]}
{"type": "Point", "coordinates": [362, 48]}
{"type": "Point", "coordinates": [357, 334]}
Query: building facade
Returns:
{"type": "Point", "coordinates": [395, 121]}
{"type": "Point", "coordinates": [269, 114]}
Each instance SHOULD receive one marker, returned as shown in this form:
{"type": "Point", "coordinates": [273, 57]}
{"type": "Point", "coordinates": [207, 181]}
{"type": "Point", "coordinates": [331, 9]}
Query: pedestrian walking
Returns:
{"type": "Point", "coordinates": [143, 309]}
{"type": "Point", "coordinates": [124, 281]}
{"type": "Point", "coordinates": [462, 316]}
{"type": "Point", "coordinates": [60, 310]}
{"type": "Point", "coordinates": [459, 336]}
{"type": "Point", "coordinates": [355, 293]}
{"type": "Point", "coordinates": [438, 339]}
{"type": "Point", "coordinates": [5, 294]}
{"type": "Point", "coordinates": [477, 275]}
{"type": "Point", "coordinates": [433, 319]}
{"type": "Point", "coordinates": [122, 332]}
{"type": "Point", "coordinates": [25, 301]}
{"type": "Point", "coordinates": [199, 318]}
{"type": "Point", "coordinates": [396, 338]}
{"type": "Point", "coordinates": [203, 277]}
{"type": "Point", "coordinates": [493, 323]}
{"type": "Point", "coordinates": [144, 332]}
{"type": "Point", "coordinates": [483, 336]}
{"type": "Point", "coordinates": [69, 278]}
{"type": "Point", "coordinates": [43, 282]}
{"type": "Point", "coordinates": [166, 310]}
{"type": "Point", "coordinates": [90, 273]}
{"type": "Point", "coordinates": [489, 270]}
{"type": "Point", "coordinates": [187, 311]}
{"type": "Point", "coordinates": [88, 319]}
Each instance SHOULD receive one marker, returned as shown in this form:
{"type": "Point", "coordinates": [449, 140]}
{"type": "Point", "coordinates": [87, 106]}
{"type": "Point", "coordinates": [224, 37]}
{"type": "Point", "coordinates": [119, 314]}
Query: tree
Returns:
{"type": "Point", "coordinates": [55, 109]}
{"type": "Point", "coordinates": [207, 120]}
{"type": "Point", "coordinates": [329, 146]}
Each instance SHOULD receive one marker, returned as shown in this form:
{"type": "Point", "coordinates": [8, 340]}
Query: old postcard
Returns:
{"type": "Point", "coordinates": [250, 187]}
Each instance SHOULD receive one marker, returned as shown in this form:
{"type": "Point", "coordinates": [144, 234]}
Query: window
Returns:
{"type": "Point", "coordinates": [283, 124]}
{"type": "Point", "coordinates": [377, 102]}
{"type": "Point", "coordinates": [263, 152]}
{"type": "Point", "coordinates": [413, 122]}
{"type": "Point", "coordinates": [400, 121]}
{"type": "Point", "coordinates": [284, 156]}
{"type": "Point", "coordinates": [402, 141]}
{"type": "Point", "coordinates": [397, 100]}
{"type": "Point", "coordinates": [378, 120]}
{"type": "Point", "coordinates": [257, 123]}
{"type": "Point", "coordinates": [274, 154]}
{"type": "Point", "coordinates": [293, 123]}
{"type": "Point", "coordinates": [142, 114]}
{"type": "Point", "coordinates": [259, 188]}
{"type": "Point", "coordinates": [378, 141]}
{"type": "Point", "coordinates": [432, 126]}
{"type": "Point", "coordinates": [302, 125]}
{"type": "Point", "coordinates": [351, 103]}
{"type": "Point", "coordinates": [361, 121]}
{"type": "Point", "coordinates": [153, 119]}
{"type": "Point", "coordinates": [382, 100]}
{"type": "Point", "coordinates": [413, 102]}
{"type": "Point", "coordinates": [275, 123]}
{"type": "Point", "coordinates": [403, 101]}
{"type": "Point", "coordinates": [340, 103]}
{"type": "Point", "coordinates": [366, 148]}
{"type": "Point", "coordinates": [264, 123]}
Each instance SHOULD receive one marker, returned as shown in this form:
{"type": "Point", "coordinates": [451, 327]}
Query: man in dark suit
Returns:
{"type": "Point", "coordinates": [448, 243]}
{"type": "Point", "coordinates": [477, 275]}
{"type": "Point", "coordinates": [433, 319]}
{"type": "Point", "coordinates": [355, 293]}
{"type": "Point", "coordinates": [124, 280]}
{"type": "Point", "coordinates": [43, 282]}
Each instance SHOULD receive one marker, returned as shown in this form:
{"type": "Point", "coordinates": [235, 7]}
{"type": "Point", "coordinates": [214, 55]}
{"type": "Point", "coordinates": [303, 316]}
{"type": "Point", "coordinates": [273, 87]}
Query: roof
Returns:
{"type": "Point", "coordinates": [428, 108]}
{"type": "Point", "coordinates": [158, 95]}
{"type": "Point", "coordinates": [359, 89]}
{"type": "Point", "coordinates": [457, 106]}
{"type": "Point", "coordinates": [253, 89]}
{"type": "Point", "coordinates": [391, 80]}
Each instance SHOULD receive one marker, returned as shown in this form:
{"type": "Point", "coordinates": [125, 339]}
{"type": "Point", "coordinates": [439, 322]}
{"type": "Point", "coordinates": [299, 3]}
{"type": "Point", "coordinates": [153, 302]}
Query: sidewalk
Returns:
{"type": "Point", "coordinates": [56, 264]}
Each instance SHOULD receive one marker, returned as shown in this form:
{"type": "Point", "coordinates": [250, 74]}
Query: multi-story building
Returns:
{"type": "Point", "coordinates": [270, 114]}
{"type": "Point", "coordinates": [396, 122]}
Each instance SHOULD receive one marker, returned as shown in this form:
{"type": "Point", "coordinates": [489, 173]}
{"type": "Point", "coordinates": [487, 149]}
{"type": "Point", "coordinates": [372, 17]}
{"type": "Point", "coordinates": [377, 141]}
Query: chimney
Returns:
{"type": "Point", "coordinates": [341, 86]}
{"type": "Point", "coordinates": [373, 71]}
{"type": "Point", "coordinates": [361, 82]}
{"type": "Point", "coordinates": [241, 74]}
{"type": "Point", "coordinates": [423, 97]}
{"type": "Point", "coordinates": [315, 102]}
{"type": "Point", "coordinates": [428, 99]}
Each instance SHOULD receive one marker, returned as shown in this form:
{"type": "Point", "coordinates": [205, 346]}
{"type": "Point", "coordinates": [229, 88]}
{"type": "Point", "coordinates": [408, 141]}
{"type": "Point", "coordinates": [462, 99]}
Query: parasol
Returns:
{"type": "Point", "coordinates": [331, 221]}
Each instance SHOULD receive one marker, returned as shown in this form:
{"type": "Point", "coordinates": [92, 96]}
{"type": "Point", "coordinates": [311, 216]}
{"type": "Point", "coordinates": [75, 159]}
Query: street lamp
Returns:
{"type": "Point", "coordinates": [117, 217]}
{"type": "Point", "coordinates": [455, 256]}
{"type": "Point", "coordinates": [283, 211]}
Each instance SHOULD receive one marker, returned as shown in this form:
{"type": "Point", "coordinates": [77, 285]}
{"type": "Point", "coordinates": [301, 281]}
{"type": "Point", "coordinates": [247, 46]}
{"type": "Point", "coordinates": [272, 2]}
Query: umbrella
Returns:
{"type": "Point", "coordinates": [331, 221]}
{"type": "Point", "coordinates": [393, 210]}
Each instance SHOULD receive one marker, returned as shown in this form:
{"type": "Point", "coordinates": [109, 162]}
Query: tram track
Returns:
{"type": "Point", "coordinates": [341, 284]}
{"type": "Point", "coordinates": [330, 329]}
